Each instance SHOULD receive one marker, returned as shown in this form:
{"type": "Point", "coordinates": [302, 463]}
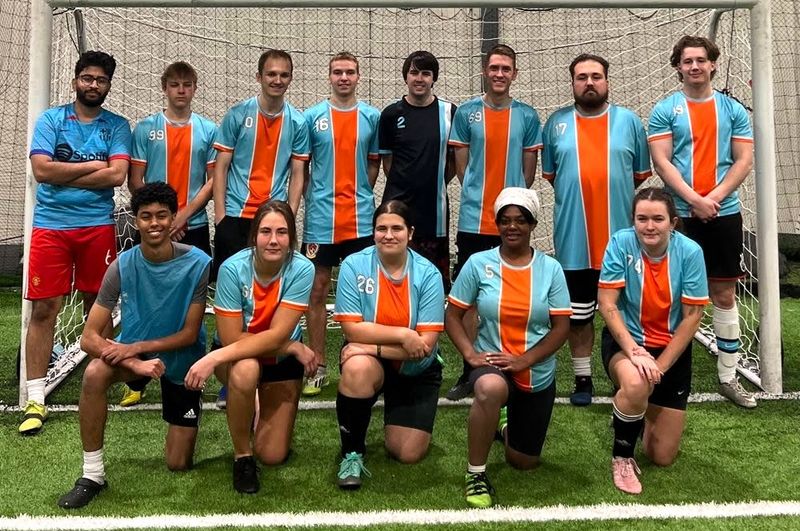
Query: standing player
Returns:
{"type": "Point", "coordinates": [496, 139]}
{"type": "Point", "coordinates": [162, 288]}
{"type": "Point", "coordinates": [176, 146]}
{"type": "Point", "coordinates": [79, 153]}
{"type": "Point", "coordinates": [702, 147]}
{"type": "Point", "coordinates": [262, 147]}
{"type": "Point", "coordinates": [416, 161]}
{"type": "Point", "coordinates": [594, 155]}
{"type": "Point", "coordinates": [339, 197]}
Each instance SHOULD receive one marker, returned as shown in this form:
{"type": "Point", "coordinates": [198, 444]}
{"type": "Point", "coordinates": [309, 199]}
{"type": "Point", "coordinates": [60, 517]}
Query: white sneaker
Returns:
{"type": "Point", "coordinates": [737, 394]}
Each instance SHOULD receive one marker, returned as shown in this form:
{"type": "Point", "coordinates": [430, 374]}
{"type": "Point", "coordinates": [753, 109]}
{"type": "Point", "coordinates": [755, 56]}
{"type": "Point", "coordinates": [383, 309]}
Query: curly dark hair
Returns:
{"type": "Point", "coordinates": [95, 58]}
{"type": "Point", "coordinates": [693, 41]}
{"type": "Point", "coordinates": [150, 193]}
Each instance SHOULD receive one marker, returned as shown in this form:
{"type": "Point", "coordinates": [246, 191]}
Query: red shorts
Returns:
{"type": "Point", "coordinates": [56, 255]}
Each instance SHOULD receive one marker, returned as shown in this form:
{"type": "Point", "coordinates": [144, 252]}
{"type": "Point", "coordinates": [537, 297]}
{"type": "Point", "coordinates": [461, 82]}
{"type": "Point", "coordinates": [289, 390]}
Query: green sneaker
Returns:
{"type": "Point", "coordinates": [314, 384]}
{"type": "Point", "coordinates": [479, 491]}
{"type": "Point", "coordinates": [350, 470]}
{"type": "Point", "coordinates": [131, 397]}
{"type": "Point", "coordinates": [502, 423]}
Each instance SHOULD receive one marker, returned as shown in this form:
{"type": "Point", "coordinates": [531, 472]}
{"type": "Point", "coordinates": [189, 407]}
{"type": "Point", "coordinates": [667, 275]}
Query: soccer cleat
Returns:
{"type": "Point", "coordinates": [737, 394]}
{"type": "Point", "coordinates": [131, 397]}
{"type": "Point", "coordinates": [624, 470]}
{"type": "Point", "coordinates": [461, 389]}
{"type": "Point", "coordinates": [502, 425]}
{"type": "Point", "coordinates": [350, 469]}
{"type": "Point", "coordinates": [584, 389]}
{"type": "Point", "coordinates": [245, 475]}
{"type": "Point", "coordinates": [479, 491]}
{"type": "Point", "coordinates": [222, 397]}
{"type": "Point", "coordinates": [81, 494]}
{"type": "Point", "coordinates": [32, 421]}
{"type": "Point", "coordinates": [314, 384]}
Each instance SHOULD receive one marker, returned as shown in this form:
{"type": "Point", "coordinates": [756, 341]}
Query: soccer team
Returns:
{"type": "Point", "coordinates": [649, 260]}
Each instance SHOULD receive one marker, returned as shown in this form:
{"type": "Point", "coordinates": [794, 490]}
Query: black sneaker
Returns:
{"type": "Point", "coordinates": [245, 475]}
{"type": "Point", "coordinates": [582, 396]}
{"type": "Point", "coordinates": [461, 389]}
{"type": "Point", "coordinates": [81, 494]}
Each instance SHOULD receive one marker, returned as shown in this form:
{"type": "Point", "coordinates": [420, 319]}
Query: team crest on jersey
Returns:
{"type": "Point", "coordinates": [311, 250]}
{"type": "Point", "coordinates": [105, 134]}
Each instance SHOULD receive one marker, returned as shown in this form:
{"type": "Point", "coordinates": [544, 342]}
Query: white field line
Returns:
{"type": "Point", "coordinates": [311, 405]}
{"type": "Point", "coordinates": [364, 519]}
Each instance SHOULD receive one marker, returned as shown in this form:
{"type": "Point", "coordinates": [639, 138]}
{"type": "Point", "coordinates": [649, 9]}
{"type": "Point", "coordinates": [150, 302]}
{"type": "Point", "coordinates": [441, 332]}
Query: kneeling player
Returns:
{"type": "Point", "coordinates": [163, 287]}
{"type": "Point", "coordinates": [390, 301]}
{"type": "Point", "coordinates": [652, 292]}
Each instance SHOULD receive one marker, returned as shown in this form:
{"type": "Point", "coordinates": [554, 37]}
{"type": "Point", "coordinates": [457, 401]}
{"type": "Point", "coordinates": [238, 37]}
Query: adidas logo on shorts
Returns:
{"type": "Point", "coordinates": [190, 414]}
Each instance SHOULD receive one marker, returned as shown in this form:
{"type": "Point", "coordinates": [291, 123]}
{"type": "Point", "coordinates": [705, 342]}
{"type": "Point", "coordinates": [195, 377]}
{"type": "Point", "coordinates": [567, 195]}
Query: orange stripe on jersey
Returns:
{"type": "Point", "coordinates": [656, 302]}
{"type": "Point", "coordinates": [515, 301]}
{"type": "Point", "coordinates": [495, 153]}
{"type": "Point", "coordinates": [345, 149]}
{"type": "Point", "coordinates": [294, 306]}
{"type": "Point", "coordinates": [179, 159]}
{"type": "Point", "coordinates": [458, 303]}
{"type": "Point", "coordinates": [430, 327]}
{"type": "Point", "coordinates": [265, 302]}
{"type": "Point", "coordinates": [613, 284]}
{"type": "Point", "coordinates": [592, 140]}
{"type": "Point", "coordinates": [227, 313]}
{"type": "Point", "coordinates": [262, 169]}
{"type": "Point", "coordinates": [703, 119]}
{"type": "Point", "coordinates": [392, 306]}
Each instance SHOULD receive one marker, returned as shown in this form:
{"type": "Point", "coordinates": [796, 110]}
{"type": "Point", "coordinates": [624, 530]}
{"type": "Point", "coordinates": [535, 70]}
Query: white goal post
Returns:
{"type": "Point", "coordinates": [760, 43]}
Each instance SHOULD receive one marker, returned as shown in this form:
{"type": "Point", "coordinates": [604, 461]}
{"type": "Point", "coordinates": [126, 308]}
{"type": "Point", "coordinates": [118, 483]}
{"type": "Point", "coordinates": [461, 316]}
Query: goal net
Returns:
{"type": "Point", "coordinates": [223, 44]}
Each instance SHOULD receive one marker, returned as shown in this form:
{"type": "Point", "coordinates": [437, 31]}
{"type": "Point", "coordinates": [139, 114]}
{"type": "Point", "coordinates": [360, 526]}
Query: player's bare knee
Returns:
{"type": "Point", "coordinates": [45, 311]}
{"type": "Point", "coordinates": [406, 454]}
{"type": "Point", "coordinates": [178, 463]}
{"type": "Point", "coordinates": [490, 390]}
{"type": "Point", "coordinates": [98, 376]}
{"type": "Point", "coordinates": [635, 390]}
{"type": "Point", "coordinates": [661, 456]}
{"type": "Point", "coordinates": [243, 375]}
{"type": "Point", "coordinates": [521, 461]}
{"type": "Point", "coordinates": [272, 454]}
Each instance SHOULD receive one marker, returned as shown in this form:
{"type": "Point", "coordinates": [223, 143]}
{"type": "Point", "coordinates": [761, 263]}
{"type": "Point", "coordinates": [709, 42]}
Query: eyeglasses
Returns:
{"type": "Point", "coordinates": [87, 80]}
{"type": "Point", "coordinates": [519, 222]}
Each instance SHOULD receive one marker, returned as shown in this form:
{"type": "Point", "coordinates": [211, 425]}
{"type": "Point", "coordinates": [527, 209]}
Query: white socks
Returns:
{"type": "Point", "coordinates": [93, 466]}
{"type": "Point", "coordinates": [582, 366]}
{"type": "Point", "coordinates": [35, 389]}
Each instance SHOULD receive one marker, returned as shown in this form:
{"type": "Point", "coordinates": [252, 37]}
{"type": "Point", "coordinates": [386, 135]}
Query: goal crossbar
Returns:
{"type": "Point", "coordinates": [732, 4]}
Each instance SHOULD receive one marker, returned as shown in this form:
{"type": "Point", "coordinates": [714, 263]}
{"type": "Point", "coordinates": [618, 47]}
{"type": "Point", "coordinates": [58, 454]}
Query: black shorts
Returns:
{"type": "Point", "coordinates": [332, 254]}
{"type": "Point", "coordinates": [287, 369]}
{"type": "Point", "coordinates": [230, 237]}
{"type": "Point", "coordinates": [468, 244]}
{"type": "Point", "coordinates": [529, 414]}
{"type": "Point", "coordinates": [722, 242]}
{"type": "Point", "coordinates": [199, 237]}
{"type": "Point", "coordinates": [179, 406]}
{"type": "Point", "coordinates": [437, 251]}
{"type": "Point", "coordinates": [582, 286]}
{"type": "Point", "coordinates": [676, 383]}
{"type": "Point", "coordinates": [410, 401]}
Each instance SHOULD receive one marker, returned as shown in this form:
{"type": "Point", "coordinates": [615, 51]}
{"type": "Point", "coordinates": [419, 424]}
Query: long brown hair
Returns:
{"type": "Point", "coordinates": [279, 207]}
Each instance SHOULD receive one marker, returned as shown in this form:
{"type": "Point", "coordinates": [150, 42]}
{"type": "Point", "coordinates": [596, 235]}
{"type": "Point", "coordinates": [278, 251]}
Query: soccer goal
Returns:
{"type": "Point", "coordinates": [222, 39]}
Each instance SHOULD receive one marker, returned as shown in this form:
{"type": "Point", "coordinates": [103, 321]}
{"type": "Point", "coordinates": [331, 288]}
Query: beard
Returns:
{"type": "Point", "coordinates": [591, 101]}
{"type": "Point", "coordinates": [93, 101]}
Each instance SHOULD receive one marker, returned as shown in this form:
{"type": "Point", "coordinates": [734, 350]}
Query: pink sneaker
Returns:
{"type": "Point", "coordinates": [624, 471]}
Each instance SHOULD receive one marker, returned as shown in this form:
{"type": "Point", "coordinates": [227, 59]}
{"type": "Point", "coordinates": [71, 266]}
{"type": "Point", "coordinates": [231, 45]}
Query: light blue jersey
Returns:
{"type": "Point", "coordinates": [496, 139]}
{"type": "Point", "coordinates": [154, 302]}
{"type": "Point", "coordinates": [515, 304]}
{"type": "Point", "coordinates": [366, 292]}
{"type": "Point", "coordinates": [59, 135]}
{"type": "Point", "coordinates": [177, 154]}
{"type": "Point", "coordinates": [653, 291]}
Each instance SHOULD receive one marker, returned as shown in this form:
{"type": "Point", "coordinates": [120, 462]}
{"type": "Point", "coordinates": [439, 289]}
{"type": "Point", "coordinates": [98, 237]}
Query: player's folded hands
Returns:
{"type": "Point", "coordinates": [114, 352]}
{"type": "Point", "coordinates": [199, 373]}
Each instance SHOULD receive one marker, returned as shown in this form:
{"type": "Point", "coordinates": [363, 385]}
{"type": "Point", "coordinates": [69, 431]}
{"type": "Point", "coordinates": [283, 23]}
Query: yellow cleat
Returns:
{"type": "Point", "coordinates": [131, 397]}
{"type": "Point", "coordinates": [35, 415]}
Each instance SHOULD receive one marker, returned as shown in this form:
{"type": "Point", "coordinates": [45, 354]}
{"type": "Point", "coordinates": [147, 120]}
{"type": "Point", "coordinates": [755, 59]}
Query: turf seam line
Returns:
{"type": "Point", "coordinates": [558, 513]}
{"type": "Point", "coordinates": [311, 405]}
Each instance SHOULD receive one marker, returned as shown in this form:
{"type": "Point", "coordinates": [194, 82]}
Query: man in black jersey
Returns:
{"type": "Point", "coordinates": [413, 135]}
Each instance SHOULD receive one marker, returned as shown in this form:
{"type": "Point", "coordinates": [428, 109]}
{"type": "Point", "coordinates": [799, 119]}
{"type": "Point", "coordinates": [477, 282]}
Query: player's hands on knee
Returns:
{"type": "Point", "coordinates": [414, 345]}
{"type": "Point", "coordinates": [306, 357]}
{"type": "Point", "coordinates": [476, 359]}
{"type": "Point", "coordinates": [648, 368]}
{"type": "Point", "coordinates": [356, 349]}
{"type": "Point", "coordinates": [507, 362]}
{"type": "Point", "coordinates": [114, 352]}
{"type": "Point", "coordinates": [149, 368]}
{"type": "Point", "coordinates": [199, 373]}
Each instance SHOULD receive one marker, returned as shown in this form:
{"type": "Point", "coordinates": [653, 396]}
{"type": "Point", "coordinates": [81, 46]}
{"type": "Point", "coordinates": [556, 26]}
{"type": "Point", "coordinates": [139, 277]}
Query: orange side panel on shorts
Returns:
{"type": "Point", "coordinates": [656, 302]}
{"type": "Point", "coordinates": [393, 302]}
{"type": "Point", "coordinates": [345, 138]}
{"type": "Point", "coordinates": [496, 124]}
{"type": "Point", "coordinates": [262, 172]}
{"type": "Point", "coordinates": [703, 117]}
{"type": "Point", "coordinates": [179, 155]}
{"type": "Point", "coordinates": [593, 159]}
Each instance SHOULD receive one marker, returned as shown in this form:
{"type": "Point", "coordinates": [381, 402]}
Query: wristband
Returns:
{"type": "Point", "coordinates": [379, 350]}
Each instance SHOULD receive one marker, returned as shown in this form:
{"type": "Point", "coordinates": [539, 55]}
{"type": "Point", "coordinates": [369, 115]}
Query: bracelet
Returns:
{"type": "Point", "coordinates": [379, 350]}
